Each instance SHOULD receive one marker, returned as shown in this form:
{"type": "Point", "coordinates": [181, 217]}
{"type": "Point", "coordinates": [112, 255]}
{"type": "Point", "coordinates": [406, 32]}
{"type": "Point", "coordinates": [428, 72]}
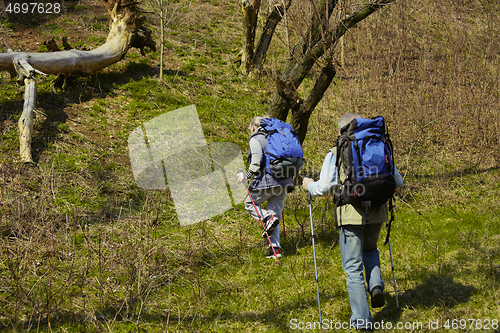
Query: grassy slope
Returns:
{"type": "Point", "coordinates": [83, 246]}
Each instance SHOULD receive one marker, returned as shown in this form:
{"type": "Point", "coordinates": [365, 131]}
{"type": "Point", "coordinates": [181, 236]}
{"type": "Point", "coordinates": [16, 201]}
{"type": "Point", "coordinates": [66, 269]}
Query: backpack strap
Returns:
{"type": "Point", "coordinates": [387, 139]}
{"type": "Point", "coordinates": [360, 166]}
{"type": "Point", "coordinates": [337, 198]}
{"type": "Point", "coordinates": [391, 150]}
{"type": "Point", "coordinates": [391, 200]}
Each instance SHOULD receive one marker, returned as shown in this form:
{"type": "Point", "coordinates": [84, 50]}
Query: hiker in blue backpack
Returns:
{"type": "Point", "coordinates": [264, 187]}
{"type": "Point", "coordinates": [359, 225]}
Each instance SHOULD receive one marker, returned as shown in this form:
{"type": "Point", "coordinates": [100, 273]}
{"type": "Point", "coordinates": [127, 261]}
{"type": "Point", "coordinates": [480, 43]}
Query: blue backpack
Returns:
{"type": "Point", "coordinates": [364, 150]}
{"type": "Point", "coordinates": [284, 155]}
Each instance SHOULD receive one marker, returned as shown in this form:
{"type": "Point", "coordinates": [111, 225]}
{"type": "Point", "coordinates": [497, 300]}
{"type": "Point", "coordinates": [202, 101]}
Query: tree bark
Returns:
{"type": "Point", "coordinates": [124, 20]}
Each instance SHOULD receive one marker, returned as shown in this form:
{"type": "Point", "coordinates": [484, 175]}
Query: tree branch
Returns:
{"type": "Point", "coordinates": [289, 93]}
{"type": "Point", "coordinates": [331, 39]}
{"type": "Point", "coordinates": [25, 123]}
{"type": "Point", "coordinates": [9, 49]}
{"type": "Point", "coordinates": [299, 65]}
{"type": "Point", "coordinates": [300, 117]}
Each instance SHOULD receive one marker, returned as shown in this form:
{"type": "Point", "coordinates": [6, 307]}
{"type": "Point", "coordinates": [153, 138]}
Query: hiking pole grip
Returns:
{"type": "Point", "coordinates": [389, 224]}
{"type": "Point", "coordinates": [388, 236]}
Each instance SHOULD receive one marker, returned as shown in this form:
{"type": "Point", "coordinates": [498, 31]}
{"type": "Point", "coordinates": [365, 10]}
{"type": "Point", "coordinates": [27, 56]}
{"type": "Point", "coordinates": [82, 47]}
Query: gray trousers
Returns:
{"type": "Point", "coordinates": [275, 198]}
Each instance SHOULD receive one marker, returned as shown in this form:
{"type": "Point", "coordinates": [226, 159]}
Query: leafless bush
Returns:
{"type": "Point", "coordinates": [82, 266]}
{"type": "Point", "coordinates": [434, 80]}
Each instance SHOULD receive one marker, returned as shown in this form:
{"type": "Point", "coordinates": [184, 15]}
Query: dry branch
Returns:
{"type": "Point", "coordinates": [25, 123]}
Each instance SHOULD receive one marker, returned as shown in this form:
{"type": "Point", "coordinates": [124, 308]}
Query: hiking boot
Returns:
{"type": "Point", "coordinates": [271, 223]}
{"type": "Point", "coordinates": [378, 299]}
{"type": "Point", "coordinates": [270, 254]}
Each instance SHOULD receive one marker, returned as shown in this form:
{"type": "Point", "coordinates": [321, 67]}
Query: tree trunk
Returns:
{"type": "Point", "coordinates": [318, 43]}
{"type": "Point", "coordinates": [297, 69]}
{"type": "Point", "coordinates": [302, 109]}
{"type": "Point", "coordinates": [300, 118]}
{"type": "Point", "coordinates": [250, 15]}
{"type": "Point", "coordinates": [162, 37]}
{"type": "Point", "coordinates": [25, 123]}
{"type": "Point", "coordinates": [267, 34]}
{"type": "Point", "coordinates": [124, 20]}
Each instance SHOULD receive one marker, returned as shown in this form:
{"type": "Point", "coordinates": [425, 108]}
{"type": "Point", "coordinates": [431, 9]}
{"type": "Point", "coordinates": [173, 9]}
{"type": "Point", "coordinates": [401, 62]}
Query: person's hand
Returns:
{"type": "Point", "coordinates": [241, 176]}
{"type": "Point", "coordinates": [306, 181]}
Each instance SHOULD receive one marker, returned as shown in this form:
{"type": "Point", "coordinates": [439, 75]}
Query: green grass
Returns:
{"type": "Point", "coordinates": [212, 276]}
{"type": "Point", "coordinates": [84, 249]}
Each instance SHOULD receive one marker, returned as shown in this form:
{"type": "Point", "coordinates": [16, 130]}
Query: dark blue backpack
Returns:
{"type": "Point", "coordinates": [364, 150]}
{"type": "Point", "coordinates": [284, 155]}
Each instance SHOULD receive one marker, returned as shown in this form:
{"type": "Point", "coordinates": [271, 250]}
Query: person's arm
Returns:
{"type": "Point", "coordinates": [255, 157]}
{"type": "Point", "coordinates": [327, 177]}
{"type": "Point", "coordinates": [398, 178]}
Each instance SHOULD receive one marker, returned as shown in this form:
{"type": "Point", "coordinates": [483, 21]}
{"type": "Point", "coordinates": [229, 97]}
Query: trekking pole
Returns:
{"type": "Point", "coordinates": [314, 252]}
{"type": "Point", "coordinates": [262, 222]}
{"type": "Point", "coordinates": [392, 262]}
{"type": "Point", "coordinates": [283, 221]}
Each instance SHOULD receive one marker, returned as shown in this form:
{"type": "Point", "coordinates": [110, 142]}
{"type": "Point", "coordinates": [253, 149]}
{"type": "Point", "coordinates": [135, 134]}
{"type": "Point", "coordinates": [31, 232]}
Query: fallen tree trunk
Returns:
{"type": "Point", "coordinates": [25, 123]}
{"type": "Point", "coordinates": [124, 22]}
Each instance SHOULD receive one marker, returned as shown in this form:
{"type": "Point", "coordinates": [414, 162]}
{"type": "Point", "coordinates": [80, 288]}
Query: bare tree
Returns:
{"type": "Point", "coordinates": [161, 9]}
{"type": "Point", "coordinates": [125, 30]}
{"type": "Point", "coordinates": [328, 21]}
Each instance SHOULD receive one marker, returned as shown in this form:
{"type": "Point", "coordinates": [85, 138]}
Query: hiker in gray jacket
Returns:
{"type": "Point", "coordinates": [264, 187]}
{"type": "Point", "coordinates": [358, 235]}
